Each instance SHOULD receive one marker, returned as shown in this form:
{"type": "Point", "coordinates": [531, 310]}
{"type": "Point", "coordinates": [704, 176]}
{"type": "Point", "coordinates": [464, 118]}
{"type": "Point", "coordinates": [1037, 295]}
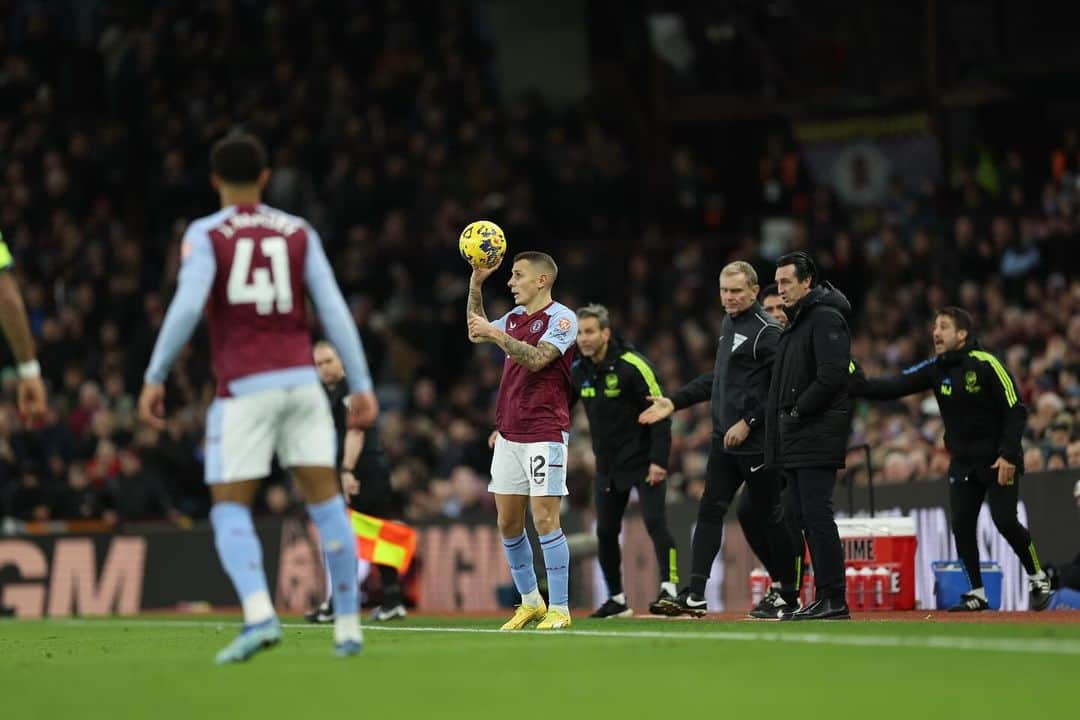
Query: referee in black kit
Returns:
{"type": "Point", "coordinates": [808, 419]}
{"type": "Point", "coordinates": [612, 380]}
{"type": "Point", "coordinates": [365, 480]}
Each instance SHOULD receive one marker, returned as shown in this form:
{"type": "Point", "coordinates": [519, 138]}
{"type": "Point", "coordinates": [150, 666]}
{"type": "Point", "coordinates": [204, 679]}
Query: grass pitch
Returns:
{"type": "Point", "coordinates": [462, 668]}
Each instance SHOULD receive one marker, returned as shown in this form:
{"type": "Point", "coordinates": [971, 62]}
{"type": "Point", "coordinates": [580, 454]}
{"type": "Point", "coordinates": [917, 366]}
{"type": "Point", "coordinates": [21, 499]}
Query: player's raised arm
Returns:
{"type": "Point", "coordinates": [475, 306]}
{"type": "Point", "coordinates": [197, 271]}
{"type": "Point", "coordinates": [339, 327]}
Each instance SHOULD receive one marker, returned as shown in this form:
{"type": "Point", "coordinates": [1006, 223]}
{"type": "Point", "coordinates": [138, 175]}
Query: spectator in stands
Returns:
{"type": "Point", "coordinates": [398, 161]}
{"type": "Point", "coordinates": [1073, 454]}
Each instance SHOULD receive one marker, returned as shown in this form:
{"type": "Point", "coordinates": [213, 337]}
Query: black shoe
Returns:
{"type": "Point", "coordinates": [1040, 593]}
{"type": "Point", "coordinates": [662, 604]}
{"type": "Point", "coordinates": [322, 614]}
{"type": "Point", "coordinates": [687, 603]}
{"type": "Point", "coordinates": [612, 609]}
{"type": "Point", "coordinates": [390, 611]}
{"type": "Point", "coordinates": [7, 611]}
{"type": "Point", "coordinates": [970, 602]}
{"type": "Point", "coordinates": [772, 605]}
{"type": "Point", "coordinates": [824, 609]}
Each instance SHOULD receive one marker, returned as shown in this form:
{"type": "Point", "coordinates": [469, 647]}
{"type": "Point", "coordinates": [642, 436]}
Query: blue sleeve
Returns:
{"type": "Point", "coordinates": [334, 315]}
{"type": "Point", "coordinates": [561, 330]}
{"type": "Point", "coordinates": [500, 323]}
{"type": "Point", "coordinates": [197, 271]}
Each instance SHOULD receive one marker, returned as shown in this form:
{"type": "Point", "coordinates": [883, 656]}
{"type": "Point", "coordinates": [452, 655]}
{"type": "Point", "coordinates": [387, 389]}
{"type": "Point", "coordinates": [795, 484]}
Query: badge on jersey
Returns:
{"type": "Point", "coordinates": [971, 382]}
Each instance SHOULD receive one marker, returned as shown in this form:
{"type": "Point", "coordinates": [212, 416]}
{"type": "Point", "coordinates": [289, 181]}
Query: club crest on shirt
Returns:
{"type": "Point", "coordinates": [535, 327]}
{"type": "Point", "coordinates": [971, 382]}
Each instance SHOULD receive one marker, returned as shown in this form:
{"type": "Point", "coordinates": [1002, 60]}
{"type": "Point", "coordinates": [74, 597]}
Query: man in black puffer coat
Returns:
{"type": "Point", "coordinates": [808, 417]}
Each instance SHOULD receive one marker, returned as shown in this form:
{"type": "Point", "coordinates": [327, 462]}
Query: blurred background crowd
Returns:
{"type": "Point", "coordinates": [390, 131]}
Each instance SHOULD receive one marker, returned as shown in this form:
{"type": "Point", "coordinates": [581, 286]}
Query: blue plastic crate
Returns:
{"type": "Point", "coordinates": [950, 582]}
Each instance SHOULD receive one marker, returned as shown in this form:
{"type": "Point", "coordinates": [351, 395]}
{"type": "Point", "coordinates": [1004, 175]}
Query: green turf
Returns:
{"type": "Point", "coordinates": [631, 669]}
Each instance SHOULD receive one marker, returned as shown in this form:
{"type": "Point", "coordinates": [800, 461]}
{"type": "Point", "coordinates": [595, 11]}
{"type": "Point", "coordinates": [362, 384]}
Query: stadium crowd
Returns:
{"type": "Point", "coordinates": [389, 132]}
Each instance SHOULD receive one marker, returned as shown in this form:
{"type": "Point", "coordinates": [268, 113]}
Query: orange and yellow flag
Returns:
{"type": "Point", "coordinates": [383, 542]}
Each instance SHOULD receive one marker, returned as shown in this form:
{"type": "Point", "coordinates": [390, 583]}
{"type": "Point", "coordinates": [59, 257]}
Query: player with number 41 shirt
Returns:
{"type": "Point", "coordinates": [249, 266]}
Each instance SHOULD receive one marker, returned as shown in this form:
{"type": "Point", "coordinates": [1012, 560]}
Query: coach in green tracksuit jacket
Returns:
{"type": "Point", "coordinates": [984, 420]}
{"type": "Point", "coordinates": [612, 380]}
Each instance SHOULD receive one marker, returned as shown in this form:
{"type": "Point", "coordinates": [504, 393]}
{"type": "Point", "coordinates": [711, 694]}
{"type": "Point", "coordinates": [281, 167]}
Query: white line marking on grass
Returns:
{"type": "Point", "coordinates": [1039, 646]}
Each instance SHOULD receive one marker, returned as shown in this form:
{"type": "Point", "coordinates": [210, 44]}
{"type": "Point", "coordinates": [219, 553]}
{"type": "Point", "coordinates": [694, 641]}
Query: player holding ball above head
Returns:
{"type": "Point", "coordinates": [532, 418]}
{"type": "Point", "coordinates": [249, 266]}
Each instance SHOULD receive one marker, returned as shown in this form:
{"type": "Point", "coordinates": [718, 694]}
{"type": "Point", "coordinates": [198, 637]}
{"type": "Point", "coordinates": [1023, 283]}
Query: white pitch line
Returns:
{"type": "Point", "coordinates": [1038, 646]}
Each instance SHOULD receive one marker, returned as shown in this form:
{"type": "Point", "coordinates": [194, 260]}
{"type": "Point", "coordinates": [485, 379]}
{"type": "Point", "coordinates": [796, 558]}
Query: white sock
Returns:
{"type": "Point", "coordinates": [532, 599]}
{"type": "Point", "coordinates": [979, 592]}
{"type": "Point", "coordinates": [347, 627]}
{"type": "Point", "coordinates": [363, 569]}
{"type": "Point", "coordinates": [669, 588]}
{"type": "Point", "coordinates": [258, 608]}
{"type": "Point", "coordinates": [561, 608]}
{"type": "Point", "coordinates": [619, 598]}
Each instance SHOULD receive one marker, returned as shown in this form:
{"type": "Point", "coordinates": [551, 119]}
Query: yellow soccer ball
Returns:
{"type": "Point", "coordinates": [482, 244]}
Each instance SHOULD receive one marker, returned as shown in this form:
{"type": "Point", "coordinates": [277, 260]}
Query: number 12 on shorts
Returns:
{"type": "Point", "coordinates": [536, 469]}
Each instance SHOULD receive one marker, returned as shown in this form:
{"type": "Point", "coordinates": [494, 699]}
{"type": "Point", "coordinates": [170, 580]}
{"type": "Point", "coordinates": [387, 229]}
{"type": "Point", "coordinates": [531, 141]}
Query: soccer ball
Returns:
{"type": "Point", "coordinates": [482, 244]}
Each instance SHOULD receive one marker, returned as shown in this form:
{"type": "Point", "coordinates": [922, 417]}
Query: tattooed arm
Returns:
{"type": "Point", "coordinates": [534, 357]}
{"type": "Point", "coordinates": [475, 308]}
{"type": "Point", "coordinates": [475, 304]}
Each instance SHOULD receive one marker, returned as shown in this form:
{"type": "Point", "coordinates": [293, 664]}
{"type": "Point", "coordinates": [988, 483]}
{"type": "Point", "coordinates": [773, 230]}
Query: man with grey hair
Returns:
{"type": "Point", "coordinates": [738, 389]}
{"type": "Point", "coordinates": [612, 380]}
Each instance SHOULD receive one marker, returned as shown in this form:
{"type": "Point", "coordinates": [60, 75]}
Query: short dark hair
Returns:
{"type": "Point", "coordinates": [960, 317]}
{"type": "Point", "coordinates": [238, 159]}
{"type": "Point", "coordinates": [542, 259]}
{"type": "Point", "coordinates": [804, 265]}
{"type": "Point", "coordinates": [769, 290]}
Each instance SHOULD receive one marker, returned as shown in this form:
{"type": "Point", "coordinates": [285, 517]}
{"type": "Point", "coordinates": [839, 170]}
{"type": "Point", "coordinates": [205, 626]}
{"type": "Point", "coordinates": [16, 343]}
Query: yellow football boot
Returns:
{"type": "Point", "coordinates": [554, 620]}
{"type": "Point", "coordinates": [524, 615]}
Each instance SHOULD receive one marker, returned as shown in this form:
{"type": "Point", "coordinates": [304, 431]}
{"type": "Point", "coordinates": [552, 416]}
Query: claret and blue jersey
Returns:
{"type": "Point", "coordinates": [249, 266]}
{"type": "Point", "coordinates": [535, 406]}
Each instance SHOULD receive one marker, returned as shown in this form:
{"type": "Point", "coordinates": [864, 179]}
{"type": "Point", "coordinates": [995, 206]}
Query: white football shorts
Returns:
{"type": "Point", "coordinates": [537, 469]}
{"type": "Point", "coordinates": [244, 433]}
